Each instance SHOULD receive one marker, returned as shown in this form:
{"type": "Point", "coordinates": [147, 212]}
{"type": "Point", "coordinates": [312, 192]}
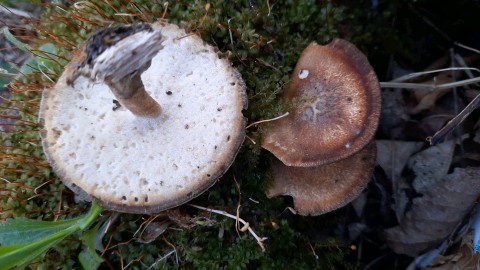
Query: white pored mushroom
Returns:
{"type": "Point", "coordinates": [142, 137]}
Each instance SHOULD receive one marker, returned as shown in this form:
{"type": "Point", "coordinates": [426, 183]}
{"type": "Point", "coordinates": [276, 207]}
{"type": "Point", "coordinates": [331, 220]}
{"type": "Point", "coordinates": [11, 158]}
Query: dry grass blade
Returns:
{"type": "Point", "coordinates": [430, 87]}
{"type": "Point", "coordinates": [457, 120]}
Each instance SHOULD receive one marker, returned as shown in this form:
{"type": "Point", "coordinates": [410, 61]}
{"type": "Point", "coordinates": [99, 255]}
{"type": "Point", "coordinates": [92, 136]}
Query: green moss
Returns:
{"type": "Point", "coordinates": [263, 42]}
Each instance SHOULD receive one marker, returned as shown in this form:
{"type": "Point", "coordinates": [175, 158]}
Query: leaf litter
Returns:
{"type": "Point", "coordinates": [433, 188]}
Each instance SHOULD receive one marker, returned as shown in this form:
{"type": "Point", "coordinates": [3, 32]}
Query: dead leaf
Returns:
{"type": "Point", "coordinates": [153, 231]}
{"type": "Point", "coordinates": [393, 155]}
{"type": "Point", "coordinates": [394, 112]}
{"type": "Point", "coordinates": [431, 165]}
{"type": "Point", "coordinates": [437, 213]}
{"type": "Point", "coordinates": [463, 259]}
{"type": "Point", "coordinates": [429, 99]}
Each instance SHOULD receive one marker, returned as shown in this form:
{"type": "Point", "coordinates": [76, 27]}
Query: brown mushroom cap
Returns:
{"type": "Point", "coordinates": [324, 188]}
{"type": "Point", "coordinates": [145, 165]}
{"type": "Point", "coordinates": [340, 107]}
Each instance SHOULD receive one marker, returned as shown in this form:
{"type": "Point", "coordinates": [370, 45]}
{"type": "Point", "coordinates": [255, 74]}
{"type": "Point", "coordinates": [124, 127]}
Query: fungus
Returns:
{"type": "Point", "coordinates": [132, 158]}
{"type": "Point", "coordinates": [340, 107]}
{"type": "Point", "coordinates": [325, 143]}
{"type": "Point", "coordinates": [321, 189]}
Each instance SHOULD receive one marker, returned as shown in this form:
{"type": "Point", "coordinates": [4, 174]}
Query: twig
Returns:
{"type": "Point", "coordinates": [223, 213]}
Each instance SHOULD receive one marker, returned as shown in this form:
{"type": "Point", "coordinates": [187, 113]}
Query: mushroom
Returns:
{"type": "Point", "coordinates": [339, 111]}
{"type": "Point", "coordinates": [321, 189]}
{"type": "Point", "coordinates": [175, 127]}
{"type": "Point", "coordinates": [325, 143]}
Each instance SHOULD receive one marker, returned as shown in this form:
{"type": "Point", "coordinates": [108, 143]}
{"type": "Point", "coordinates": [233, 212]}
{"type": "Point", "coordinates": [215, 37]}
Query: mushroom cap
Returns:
{"type": "Point", "coordinates": [339, 109]}
{"type": "Point", "coordinates": [141, 165]}
{"type": "Point", "coordinates": [321, 189]}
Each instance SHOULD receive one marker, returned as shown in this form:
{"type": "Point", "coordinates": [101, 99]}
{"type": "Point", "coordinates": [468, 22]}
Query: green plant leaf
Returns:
{"type": "Point", "coordinates": [22, 254]}
{"type": "Point", "coordinates": [6, 73]}
{"type": "Point", "coordinates": [22, 231]}
{"type": "Point", "coordinates": [89, 258]}
{"type": "Point", "coordinates": [22, 46]}
{"type": "Point", "coordinates": [45, 55]}
{"type": "Point", "coordinates": [40, 236]}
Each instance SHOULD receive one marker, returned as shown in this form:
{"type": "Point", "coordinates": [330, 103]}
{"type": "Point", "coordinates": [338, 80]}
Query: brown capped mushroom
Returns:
{"type": "Point", "coordinates": [128, 158]}
{"type": "Point", "coordinates": [340, 107]}
{"type": "Point", "coordinates": [325, 143]}
{"type": "Point", "coordinates": [321, 189]}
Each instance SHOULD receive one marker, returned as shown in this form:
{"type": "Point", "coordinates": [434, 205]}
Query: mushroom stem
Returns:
{"type": "Point", "coordinates": [130, 92]}
{"type": "Point", "coordinates": [118, 56]}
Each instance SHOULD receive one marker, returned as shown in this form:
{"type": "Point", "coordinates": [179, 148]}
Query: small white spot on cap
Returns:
{"type": "Point", "coordinates": [347, 145]}
{"type": "Point", "coordinates": [303, 74]}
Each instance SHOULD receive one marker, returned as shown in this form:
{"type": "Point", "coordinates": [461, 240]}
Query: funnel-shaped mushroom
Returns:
{"type": "Point", "coordinates": [320, 189]}
{"type": "Point", "coordinates": [340, 107]}
{"type": "Point", "coordinates": [325, 142]}
{"type": "Point", "coordinates": [144, 162]}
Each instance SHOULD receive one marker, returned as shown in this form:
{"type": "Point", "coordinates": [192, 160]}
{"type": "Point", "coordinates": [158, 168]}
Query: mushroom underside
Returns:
{"type": "Point", "coordinates": [141, 165]}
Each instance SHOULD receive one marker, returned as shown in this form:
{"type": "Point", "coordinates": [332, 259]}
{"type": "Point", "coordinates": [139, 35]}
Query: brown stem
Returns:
{"type": "Point", "coordinates": [130, 92]}
{"type": "Point", "coordinates": [118, 56]}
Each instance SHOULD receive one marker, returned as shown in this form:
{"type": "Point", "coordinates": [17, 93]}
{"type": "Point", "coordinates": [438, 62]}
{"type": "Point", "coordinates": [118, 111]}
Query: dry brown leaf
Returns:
{"type": "Point", "coordinates": [428, 166]}
{"type": "Point", "coordinates": [393, 155]}
{"type": "Point", "coordinates": [477, 136]}
{"type": "Point", "coordinates": [437, 213]}
{"type": "Point", "coordinates": [463, 259]}
{"type": "Point", "coordinates": [394, 112]}
{"type": "Point", "coordinates": [426, 99]}
{"type": "Point", "coordinates": [153, 231]}
{"type": "Point", "coordinates": [431, 165]}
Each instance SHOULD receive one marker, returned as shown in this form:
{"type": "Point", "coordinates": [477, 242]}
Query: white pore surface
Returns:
{"type": "Point", "coordinates": [124, 160]}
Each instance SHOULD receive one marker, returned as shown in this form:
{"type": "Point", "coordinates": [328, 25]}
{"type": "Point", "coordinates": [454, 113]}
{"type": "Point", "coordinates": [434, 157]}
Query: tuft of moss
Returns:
{"type": "Point", "coordinates": [263, 41]}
